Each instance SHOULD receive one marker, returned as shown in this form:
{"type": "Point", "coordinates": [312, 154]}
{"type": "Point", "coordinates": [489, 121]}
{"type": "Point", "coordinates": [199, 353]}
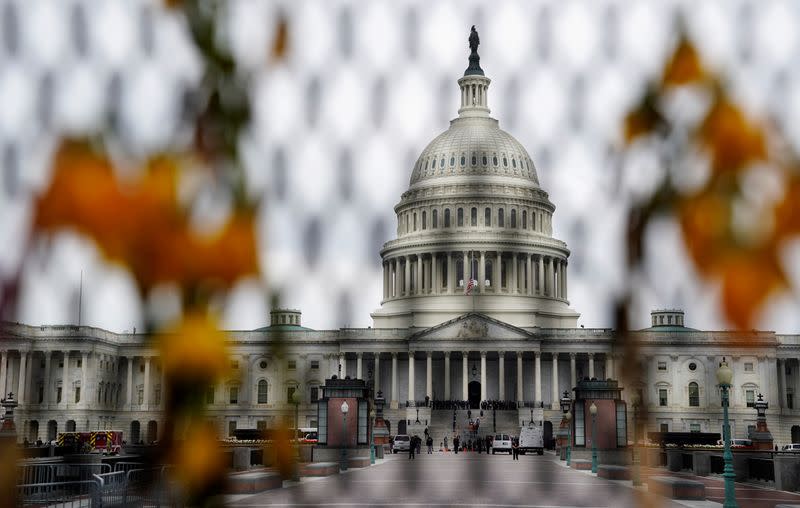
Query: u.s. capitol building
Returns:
{"type": "Point", "coordinates": [474, 211]}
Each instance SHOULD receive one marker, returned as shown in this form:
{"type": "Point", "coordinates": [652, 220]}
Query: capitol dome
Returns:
{"type": "Point", "coordinates": [474, 145]}
{"type": "Point", "coordinates": [474, 229]}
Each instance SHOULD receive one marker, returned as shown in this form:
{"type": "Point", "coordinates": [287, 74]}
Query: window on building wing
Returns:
{"type": "Point", "coordinates": [662, 397]}
{"type": "Point", "coordinates": [262, 392]}
{"type": "Point", "coordinates": [694, 394]}
{"type": "Point", "coordinates": [750, 397]}
{"type": "Point", "coordinates": [233, 395]}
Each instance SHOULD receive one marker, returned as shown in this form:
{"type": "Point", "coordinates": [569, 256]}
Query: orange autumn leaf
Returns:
{"type": "Point", "coordinates": [705, 221]}
{"type": "Point", "coordinates": [787, 211]}
{"type": "Point", "coordinates": [280, 43]}
{"type": "Point", "coordinates": [684, 66]}
{"type": "Point", "coordinates": [197, 459]}
{"type": "Point", "coordinates": [747, 280]}
{"type": "Point", "coordinates": [141, 224]}
{"type": "Point", "coordinates": [194, 349]}
{"type": "Point", "coordinates": [731, 138]}
{"type": "Point", "coordinates": [644, 120]}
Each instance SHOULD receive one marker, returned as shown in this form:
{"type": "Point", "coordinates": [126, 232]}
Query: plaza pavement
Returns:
{"type": "Point", "coordinates": [466, 479]}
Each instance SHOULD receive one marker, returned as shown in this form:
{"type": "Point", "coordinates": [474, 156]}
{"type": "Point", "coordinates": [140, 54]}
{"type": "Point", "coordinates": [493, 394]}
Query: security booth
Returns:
{"type": "Point", "coordinates": [342, 420]}
{"type": "Point", "coordinates": [600, 422]}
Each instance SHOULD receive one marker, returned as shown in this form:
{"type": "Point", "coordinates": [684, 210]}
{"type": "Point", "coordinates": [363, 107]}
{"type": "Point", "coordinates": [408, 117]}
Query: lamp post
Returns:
{"type": "Point", "coordinates": [568, 416]}
{"type": "Point", "coordinates": [296, 401]}
{"type": "Point", "coordinates": [566, 404]}
{"type": "Point", "coordinates": [635, 477]}
{"type": "Point", "coordinates": [593, 411]}
{"type": "Point", "coordinates": [724, 378]}
{"type": "Point", "coordinates": [345, 409]}
{"type": "Point", "coordinates": [372, 436]}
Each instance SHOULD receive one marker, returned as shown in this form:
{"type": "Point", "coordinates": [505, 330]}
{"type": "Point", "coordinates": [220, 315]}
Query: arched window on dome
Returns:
{"type": "Point", "coordinates": [473, 217]}
{"type": "Point", "coordinates": [513, 163]}
{"type": "Point", "coordinates": [505, 162]}
{"type": "Point", "coordinates": [474, 160]}
{"type": "Point", "coordinates": [452, 161]}
{"type": "Point", "coordinates": [463, 160]}
{"type": "Point", "coordinates": [415, 221]}
{"type": "Point", "coordinates": [441, 163]}
{"type": "Point", "coordinates": [513, 217]}
{"type": "Point", "coordinates": [487, 217]}
{"type": "Point", "coordinates": [407, 223]}
{"type": "Point", "coordinates": [460, 218]}
{"type": "Point", "coordinates": [424, 219]}
{"type": "Point", "coordinates": [501, 219]}
{"type": "Point", "coordinates": [447, 217]}
{"type": "Point", "coordinates": [435, 217]}
{"type": "Point", "coordinates": [524, 219]}
{"type": "Point", "coordinates": [694, 394]}
{"type": "Point", "coordinates": [494, 160]}
{"type": "Point", "coordinates": [485, 161]}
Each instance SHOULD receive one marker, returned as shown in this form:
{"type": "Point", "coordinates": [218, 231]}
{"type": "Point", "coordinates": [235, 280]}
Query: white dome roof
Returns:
{"type": "Point", "coordinates": [475, 146]}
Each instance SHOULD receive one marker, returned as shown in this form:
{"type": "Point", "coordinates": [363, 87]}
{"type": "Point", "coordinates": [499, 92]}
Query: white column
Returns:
{"type": "Point", "coordinates": [146, 382]}
{"type": "Point", "coordinates": [514, 274]}
{"type": "Point", "coordinates": [464, 374]}
{"type": "Point", "coordinates": [537, 377]}
{"type": "Point", "coordinates": [591, 365]}
{"type": "Point", "coordinates": [529, 278]}
{"type": "Point", "coordinates": [573, 377]}
{"type": "Point", "coordinates": [429, 376]}
{"type": "Point", "coordinates": [565, 296]}
{"type": "Point", "coordinates": [342, 365]}
{"type": "Point", "coordinates": [407, 275]}
{"type": "Point", "coordinates": [554, 403]}
{"type": "Point", "coordinates": [23, 364]}
{"type": "Point", "coordinates": [3, 373]}
{"type": "Point", "coordinates": [396, 288]}
{"type": "Point", "coordinates": [411, 376]}
{"type": "Point", "coordinates": [609, 367]}
{"type": "Point", "coordinates": [502, 375]}
{"type": "Point", "coordinates": [447, 375]}
{"type": "Point", "coordinates": [519, 377]}
{"type": "Point", "coordinates": [48, 357]}
{"type": "Point", "coordinates": [65, 384]}
{"type": "Point", "coordinates": [130, 380]}
{"type": "Point", "coordinates": [358, 365]}
{"type": "Point", "coordinates": [451, 273]}
{"type": "Point", "coordinates": [481, 271]}
{"type": "Point", "coordinates": [781, 364]}
{"type": "Point", "coordinates": [549, 285]}
{"type": "Point", "coordinates": [541, 276]}
{"type": "Point", "coordinates": [556, 278]}
{"type": "Point", "coordinates": [29, 378]}
{"type": "Point", "coordinates": [483, 375]}
{"type": "Point", "coordinates": [377, 371]}
{"type": "Point", "coordinates": [393, 403]}
{"type": "Point", "coordinates": [467, 269]}
{"type": "Point", "coordinates": [419, 275]}
{"type": "Point", "coordinates": [434, 274]}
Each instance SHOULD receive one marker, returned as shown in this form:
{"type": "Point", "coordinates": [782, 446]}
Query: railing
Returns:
{"type": "Point", "coordinates": [760, 469]}
{"type": "Point", "coordinates": [62, 494]}
{"type": "Point", "coordinates": [111, 488]}
{"type": "Point", "coordinates": [536, 404]}
{"type": "Point", "coordinates": [29, 474]}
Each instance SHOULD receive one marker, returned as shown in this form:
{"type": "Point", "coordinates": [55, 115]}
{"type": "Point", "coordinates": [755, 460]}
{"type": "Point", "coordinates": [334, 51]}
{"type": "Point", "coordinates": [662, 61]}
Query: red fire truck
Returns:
{"type": "Point", "coordinates": [103, 441]}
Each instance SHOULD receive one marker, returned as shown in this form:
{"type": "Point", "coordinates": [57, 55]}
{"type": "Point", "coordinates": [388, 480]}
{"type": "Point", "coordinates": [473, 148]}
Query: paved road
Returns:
{"type": "Point", "coordinates": [445, 479]}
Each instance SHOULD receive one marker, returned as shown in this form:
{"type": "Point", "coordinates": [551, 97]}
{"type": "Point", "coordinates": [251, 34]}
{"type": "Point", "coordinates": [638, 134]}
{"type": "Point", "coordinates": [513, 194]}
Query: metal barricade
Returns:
{"type": "Point", "coordinates": [58, 473]}
{"type": "Point", "coordinates": [111, 489]}
{"type": "Point", "coordinates": [76, 494]}
{"type": "Point", "coordinates": [127, 466]}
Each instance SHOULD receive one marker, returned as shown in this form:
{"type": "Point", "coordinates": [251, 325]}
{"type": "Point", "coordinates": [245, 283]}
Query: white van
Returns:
{"type": "Point", "coordinates": [501, 443]}
{"type": "Point", "coordinates": [794, 447]}
{"type": "Point", "coordinates": [401, 443]}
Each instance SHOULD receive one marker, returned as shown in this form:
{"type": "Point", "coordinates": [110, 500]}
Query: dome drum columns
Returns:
{"type": "Point", "coordinates": [497, 272]}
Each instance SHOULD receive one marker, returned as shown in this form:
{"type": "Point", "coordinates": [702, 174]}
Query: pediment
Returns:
{"type": "Point", "coordinates": [472, 326]}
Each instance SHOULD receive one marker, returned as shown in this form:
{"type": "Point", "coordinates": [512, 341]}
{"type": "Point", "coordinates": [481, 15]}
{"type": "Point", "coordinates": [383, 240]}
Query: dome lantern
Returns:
{"type": "Point", "coordinates": [474, 84]}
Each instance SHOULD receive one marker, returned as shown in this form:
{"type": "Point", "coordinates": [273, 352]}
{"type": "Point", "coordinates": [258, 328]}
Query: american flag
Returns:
{"type": "Point", "coordinates": [470, 285]}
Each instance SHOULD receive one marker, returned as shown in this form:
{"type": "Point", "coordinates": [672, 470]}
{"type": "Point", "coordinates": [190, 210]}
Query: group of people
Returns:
{"type": "Point", "coordinates": [479, 444]}
{"type": "Point", "coordinates": [415, 446]}
{"type": "Point", "coordinates": [499, 404]}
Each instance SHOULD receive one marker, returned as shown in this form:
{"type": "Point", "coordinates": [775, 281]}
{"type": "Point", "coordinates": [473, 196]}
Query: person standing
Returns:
{"type": "Point", "coordinates": [457, 442]}
{"type": "Point", "coordinates": [488, 444]}
{"type": "Point", "coordinates": [429, 442]}
{"type": "Point", "coordinates": [515, 449]}
{"type": "Point", "coordinates": [412, 447]}
{"type": "Point", "coordinates": [445, 443]}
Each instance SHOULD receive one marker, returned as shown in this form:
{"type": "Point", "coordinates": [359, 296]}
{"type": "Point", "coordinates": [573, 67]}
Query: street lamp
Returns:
{"type": "Point", "coordinates": [568, 416]}
{"type": "Point", "coordinates": [724, 377]}
{"type": "Point", "coordinates": [635, 401]}
{"type": "Point", "coordinates": [566, 404]}
{"type": "Point", "coordinates": [345, 409]}
{"type": "Point", "coordinates": [593, 411]}
{"type": "Point", "coordinates": [372, 436]}
{"type": "Point", "coordinates": [296, 402]}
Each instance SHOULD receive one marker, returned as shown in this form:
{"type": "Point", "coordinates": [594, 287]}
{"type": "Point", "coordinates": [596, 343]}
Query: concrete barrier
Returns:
{"type": "Point", "coordinates": [319, 469]}
{"type": "Point", "coordinates": [701, 464]}
{"type": "Point", "coordinates": [581, 465]}
{"type": "Point", "coordinates": [787, 472]}
{"type": "Point", "coordinates": [254, 481]}
{"type": "Point", "coordinates": [676, 488]}
{"type": "Point", "coordinates": [674, 459]}
{"type": "Point", "coordinates": [610, 472]}
{"type": "Point", "coordinates": [358, 461]}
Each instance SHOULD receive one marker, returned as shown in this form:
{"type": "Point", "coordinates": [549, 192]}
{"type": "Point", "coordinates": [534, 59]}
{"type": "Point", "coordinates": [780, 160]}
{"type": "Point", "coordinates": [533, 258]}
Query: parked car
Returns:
{"type": "Point", "coordinates": [738, 443]}
{"type": "Point", "coordinates": [794, 447]}
{"type": "Point", "coordinates": [501, 443]}
{"type": "Point", "coordinates": [401, 443]}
